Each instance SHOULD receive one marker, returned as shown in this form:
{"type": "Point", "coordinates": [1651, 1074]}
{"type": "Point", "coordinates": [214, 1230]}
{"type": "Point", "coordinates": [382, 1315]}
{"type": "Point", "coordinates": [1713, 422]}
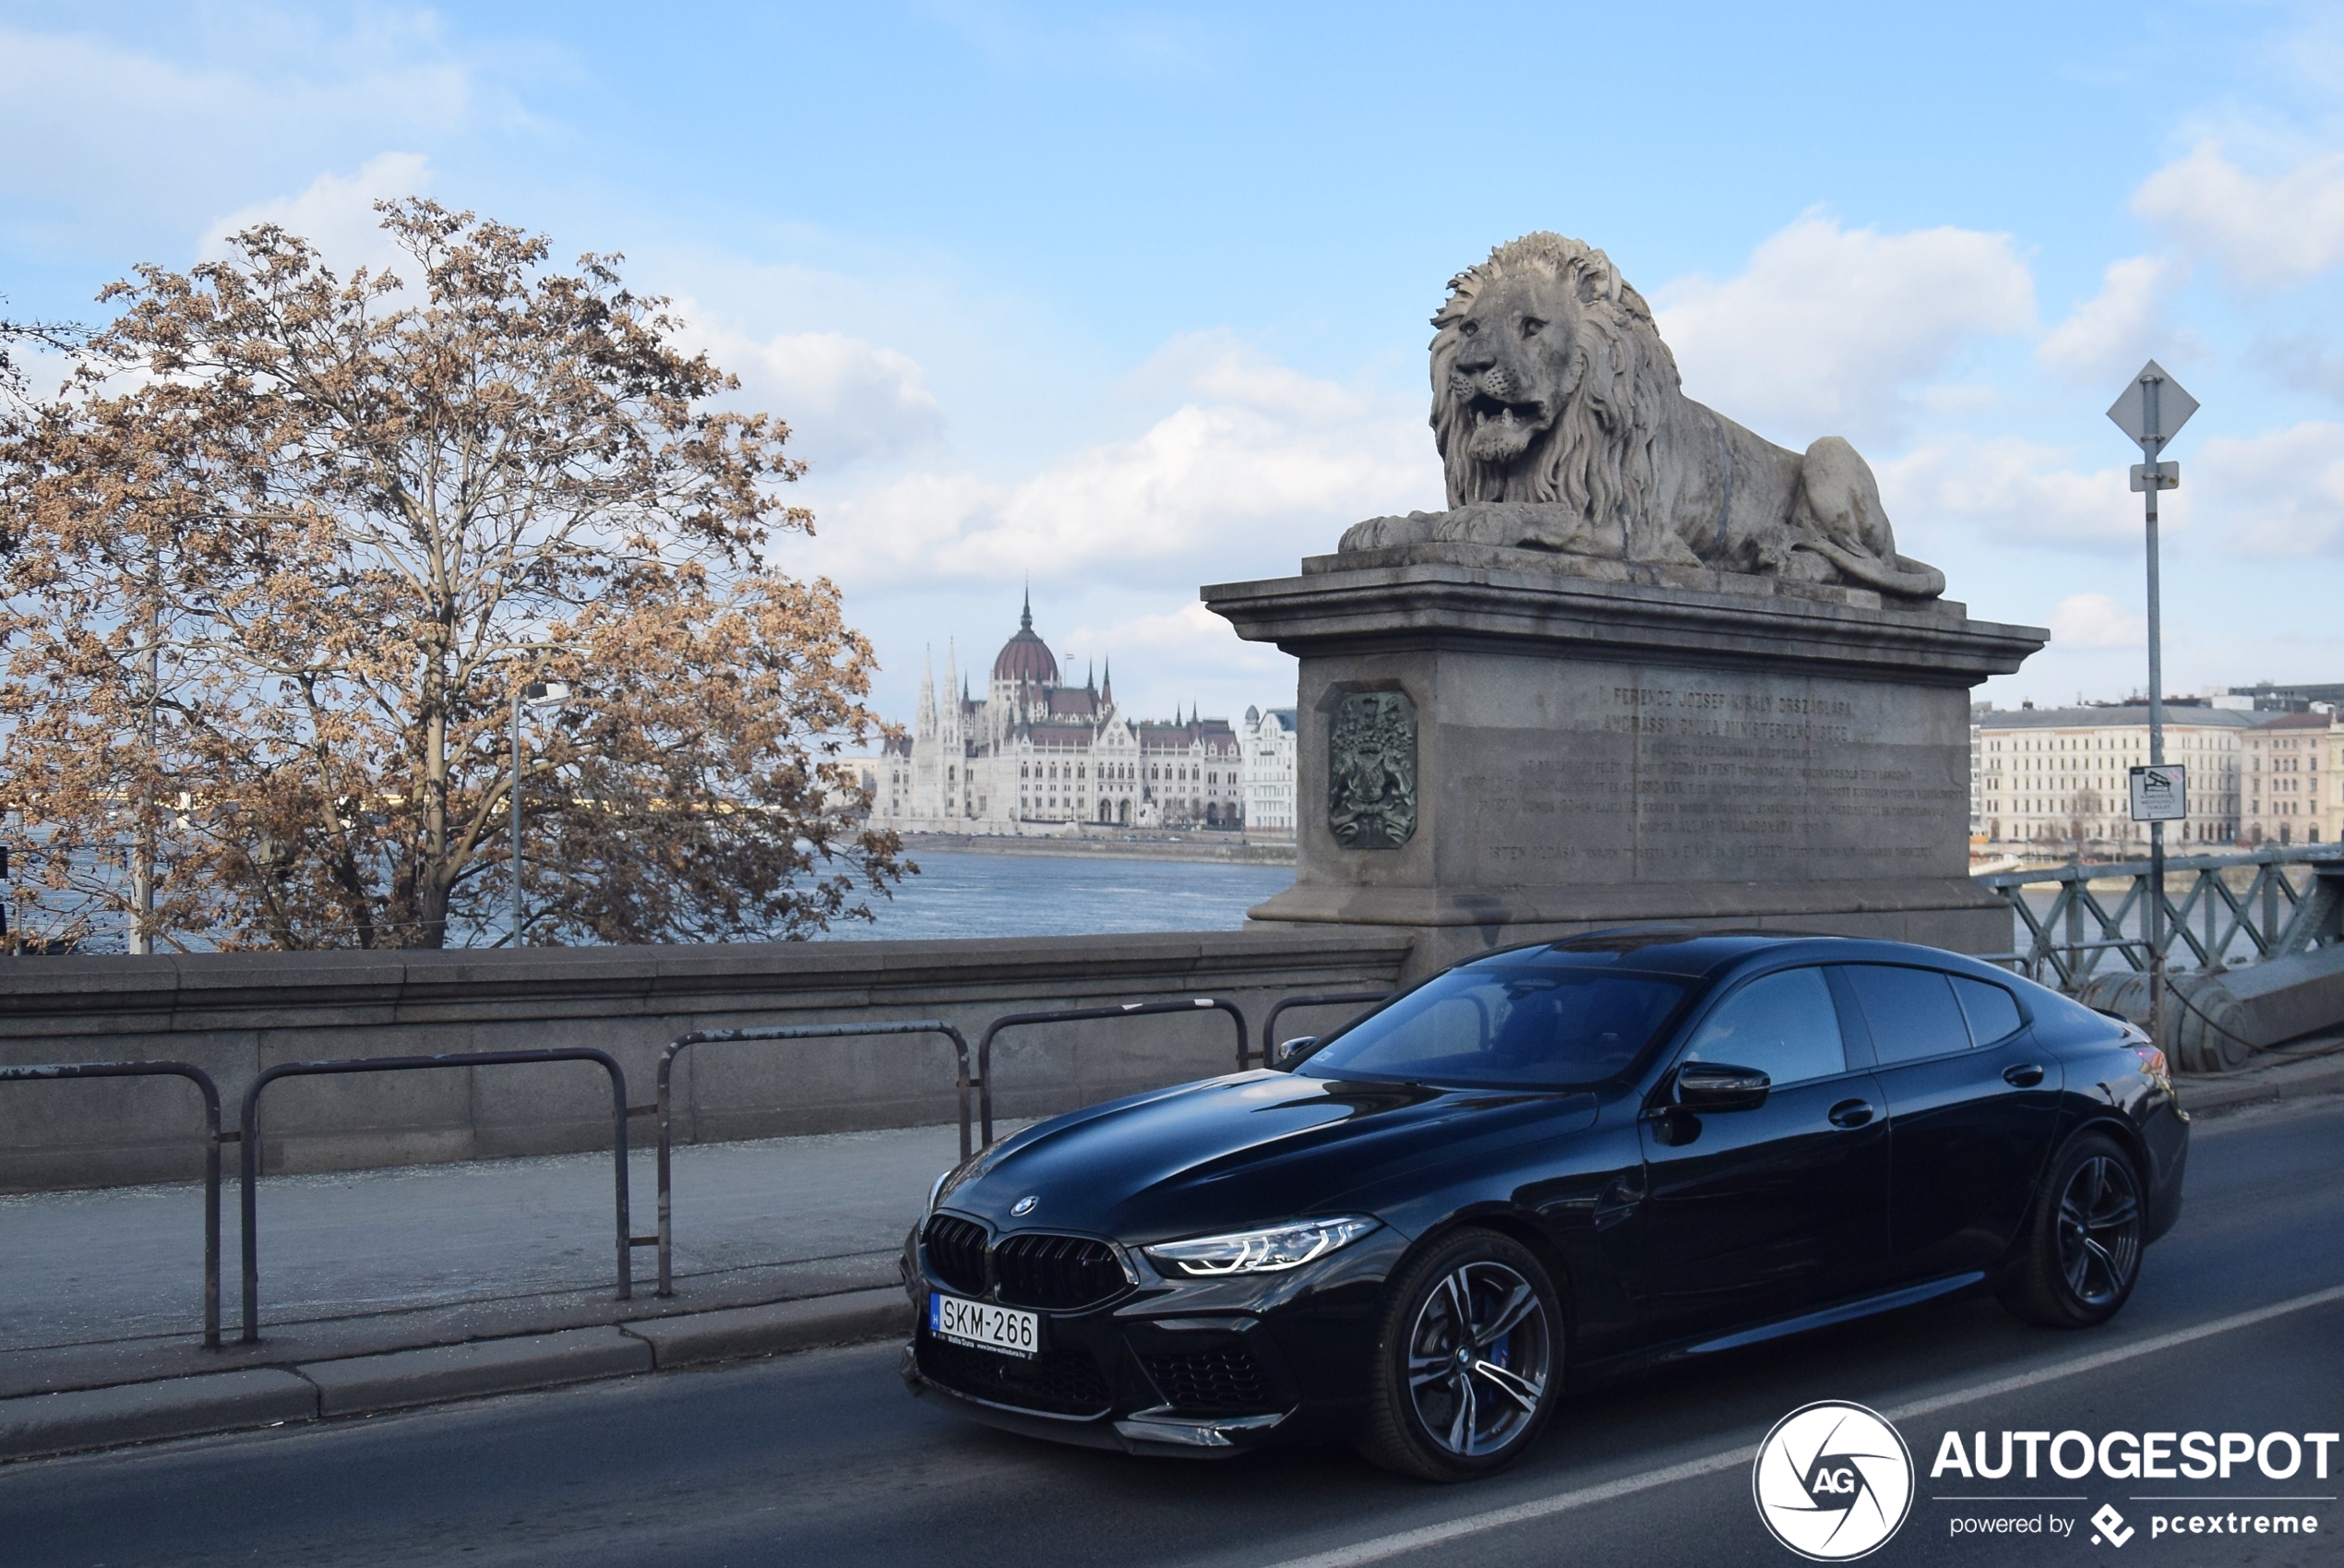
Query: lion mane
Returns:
{"type": "Point", "coordinates": [1597, 457]}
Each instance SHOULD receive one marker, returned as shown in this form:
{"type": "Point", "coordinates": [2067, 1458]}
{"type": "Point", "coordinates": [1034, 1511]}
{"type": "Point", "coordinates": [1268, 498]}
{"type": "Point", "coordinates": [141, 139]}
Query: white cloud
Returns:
{"type": "Point", "coordinates": [2095, 620]}
{"type": "Point", "coordinates": [2277, 496]}
{"type": "Point", "coordinates": [336, 213]}
{"type": "Point", "coordinates": [1173, 658]}
{"type": "Point", "coordinates": [2265, 232]}
{"type": "Point", "coordinates": [1830, 330]}
{"type": "Point", "coordinates": [1257, 466]}
{"type": "Point", "coordinates": [844, 398]}
{"type": "Point", "coordinates": [2015, 490]}
{"type": "Point", "coordinates": [118, 130]}
{"type": "Point", "coordinates": [2110, 335]}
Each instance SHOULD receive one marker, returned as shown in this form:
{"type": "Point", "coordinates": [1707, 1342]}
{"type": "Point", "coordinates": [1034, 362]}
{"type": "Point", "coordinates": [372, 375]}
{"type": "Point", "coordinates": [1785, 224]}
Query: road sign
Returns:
{"type": "Point", "coordinates": [2156, 476]}
{"type": "Point", "coordinates": [2153, 407]}
{"type": "Point", "coordinates": [2161, 794]}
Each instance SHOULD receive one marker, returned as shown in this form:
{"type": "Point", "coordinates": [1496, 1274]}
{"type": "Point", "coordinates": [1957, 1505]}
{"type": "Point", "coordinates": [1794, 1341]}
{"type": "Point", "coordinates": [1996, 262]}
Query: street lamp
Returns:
{"type": "Point", "coordinates": [536, 694]}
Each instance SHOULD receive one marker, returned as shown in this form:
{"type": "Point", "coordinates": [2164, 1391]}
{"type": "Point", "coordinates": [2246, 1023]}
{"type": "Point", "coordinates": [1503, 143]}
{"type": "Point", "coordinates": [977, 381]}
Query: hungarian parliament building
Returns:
{"type": "Point", "coordinates": [1038, 754]}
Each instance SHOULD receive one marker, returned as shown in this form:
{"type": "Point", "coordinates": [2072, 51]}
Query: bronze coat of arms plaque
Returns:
{"type": "Point", "coordinates": [1371, 771]}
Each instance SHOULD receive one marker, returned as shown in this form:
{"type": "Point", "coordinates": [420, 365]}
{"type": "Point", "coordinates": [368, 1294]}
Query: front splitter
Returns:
{"type": "Point", "coordinates": [1155, 1432]}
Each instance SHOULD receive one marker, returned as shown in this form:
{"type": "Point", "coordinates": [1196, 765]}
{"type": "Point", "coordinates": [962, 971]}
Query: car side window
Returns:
{"type": "Point", "coordinates": [1783, 1025]}
{"type": "Point", "coordinates": [1991, 1011]}
{"type": "Point", "coordinates": [1911, 1012]}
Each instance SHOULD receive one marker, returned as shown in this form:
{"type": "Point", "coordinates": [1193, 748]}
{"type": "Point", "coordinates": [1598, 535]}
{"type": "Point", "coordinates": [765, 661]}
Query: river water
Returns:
{"type": "Point", "coordinates": [963, 894]}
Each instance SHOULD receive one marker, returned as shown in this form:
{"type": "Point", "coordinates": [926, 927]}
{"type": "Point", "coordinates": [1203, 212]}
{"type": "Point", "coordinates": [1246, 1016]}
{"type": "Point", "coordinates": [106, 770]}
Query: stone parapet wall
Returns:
{"type": "Point", "coordinates": [233, 1014]}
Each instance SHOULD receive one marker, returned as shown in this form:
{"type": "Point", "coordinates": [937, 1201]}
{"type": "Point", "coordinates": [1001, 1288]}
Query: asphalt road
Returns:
{"type": "Point", "coordinates": [821, 1458]}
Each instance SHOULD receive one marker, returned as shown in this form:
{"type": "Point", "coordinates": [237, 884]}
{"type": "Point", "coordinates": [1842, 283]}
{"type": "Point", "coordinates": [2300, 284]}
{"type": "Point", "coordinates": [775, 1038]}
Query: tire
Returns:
{"type": "Point", "coordinates": [1439, 1416]}
{"type": "Point", "coordinates": [2081, 1256]}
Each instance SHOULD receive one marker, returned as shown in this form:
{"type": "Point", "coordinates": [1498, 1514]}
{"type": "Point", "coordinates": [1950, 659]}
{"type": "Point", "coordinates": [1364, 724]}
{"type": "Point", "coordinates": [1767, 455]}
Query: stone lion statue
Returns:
{"type": "Point", "coordinates": [1561, 427]}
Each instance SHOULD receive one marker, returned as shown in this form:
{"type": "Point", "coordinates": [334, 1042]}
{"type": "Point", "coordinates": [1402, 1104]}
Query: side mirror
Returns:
{"type": "Point", "coordinates": [1287, 1052]}
{"type": "Point", "coordinates": [1716, 1086]}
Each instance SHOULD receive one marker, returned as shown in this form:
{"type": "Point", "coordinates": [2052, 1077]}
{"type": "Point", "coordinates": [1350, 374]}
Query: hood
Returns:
{"type": "Point", "coordinates": [1247, 1149]}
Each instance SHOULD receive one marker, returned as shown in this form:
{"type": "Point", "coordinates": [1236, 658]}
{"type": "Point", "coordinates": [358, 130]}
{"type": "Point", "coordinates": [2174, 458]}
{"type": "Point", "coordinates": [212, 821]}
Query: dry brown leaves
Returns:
{"type": "Point", "coordinates": [282, 556]}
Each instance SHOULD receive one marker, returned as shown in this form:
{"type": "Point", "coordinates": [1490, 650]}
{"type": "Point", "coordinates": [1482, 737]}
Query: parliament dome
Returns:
{"type": "Point", "coordinates": [1025, 658]}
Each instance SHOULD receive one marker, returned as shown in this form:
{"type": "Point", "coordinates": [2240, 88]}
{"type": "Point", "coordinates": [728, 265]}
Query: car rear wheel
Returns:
{"type": "Point", "coordinates": [1469, 1360]}
{"type": "Point", "coordinates": [2083, 1251]}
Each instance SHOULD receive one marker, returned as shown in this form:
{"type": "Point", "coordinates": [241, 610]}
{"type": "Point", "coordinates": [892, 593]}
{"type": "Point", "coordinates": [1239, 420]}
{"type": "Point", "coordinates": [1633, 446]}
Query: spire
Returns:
{"type": "Point", "coordinates": [926, 725]}
{"type": "Point", "coordinates": [1107, 685]}
{"type": "Point", "coordinates": [1091, 678]}
{"type": "Point", "coordinates": [1025, 616]}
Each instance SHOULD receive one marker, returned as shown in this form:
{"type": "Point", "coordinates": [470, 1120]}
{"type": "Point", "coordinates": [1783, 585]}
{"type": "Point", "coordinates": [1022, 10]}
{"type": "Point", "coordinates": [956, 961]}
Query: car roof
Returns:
{"type": "Point", "coordinates": [1692, 952]}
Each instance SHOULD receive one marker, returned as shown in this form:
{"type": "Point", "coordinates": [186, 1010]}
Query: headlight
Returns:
{"type": "Point", "coordinates": [1261, 1251]}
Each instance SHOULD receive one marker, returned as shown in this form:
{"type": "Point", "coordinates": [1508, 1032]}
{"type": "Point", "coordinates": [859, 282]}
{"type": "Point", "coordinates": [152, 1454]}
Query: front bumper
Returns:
{"type": "Point", "coordinates": [1204, 1369]}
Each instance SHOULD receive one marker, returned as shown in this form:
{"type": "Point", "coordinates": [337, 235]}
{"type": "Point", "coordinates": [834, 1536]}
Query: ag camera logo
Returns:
{"type": "Point", "coordinates": [1833, 1481]}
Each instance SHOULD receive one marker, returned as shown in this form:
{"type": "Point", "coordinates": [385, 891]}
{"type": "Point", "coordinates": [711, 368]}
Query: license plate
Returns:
{"type": "Point", "coordinates": [1002, 1329]}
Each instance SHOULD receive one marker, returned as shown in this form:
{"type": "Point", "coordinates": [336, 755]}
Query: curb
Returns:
{"type": "Point", "coordinates": [399, 1378]}
{"type": "Point", "coordinates": [144, 1412]}
{"type": "Point", "coordinates": [37, 1425]}
{"type": "Point", "coordinates": [736, 1333]}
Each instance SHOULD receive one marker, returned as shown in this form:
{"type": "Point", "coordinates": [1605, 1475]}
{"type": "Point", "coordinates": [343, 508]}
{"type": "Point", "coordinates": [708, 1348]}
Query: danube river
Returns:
{"type": "Point", "coordinates": [963, 894]}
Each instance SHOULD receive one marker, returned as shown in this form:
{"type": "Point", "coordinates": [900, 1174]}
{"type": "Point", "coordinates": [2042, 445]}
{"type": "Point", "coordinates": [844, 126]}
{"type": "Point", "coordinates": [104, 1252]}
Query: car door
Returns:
{"type": "Point", "coordinates": [1973, 1101]}
{"type": "Point", "coordinates": [1760, 1213]}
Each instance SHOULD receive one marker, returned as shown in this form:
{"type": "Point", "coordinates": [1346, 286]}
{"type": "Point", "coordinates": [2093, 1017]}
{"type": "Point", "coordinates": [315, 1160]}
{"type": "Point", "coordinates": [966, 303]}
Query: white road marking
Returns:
{"type": "Point", "coordinates": [1384, 1548]}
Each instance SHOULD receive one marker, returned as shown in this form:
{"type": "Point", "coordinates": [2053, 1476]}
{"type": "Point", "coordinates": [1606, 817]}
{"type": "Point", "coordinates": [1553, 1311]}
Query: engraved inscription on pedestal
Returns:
{"type": "Point", "coordinates": [1371, 771]}
{"type": "Point", "coordinates": [1658, 774]}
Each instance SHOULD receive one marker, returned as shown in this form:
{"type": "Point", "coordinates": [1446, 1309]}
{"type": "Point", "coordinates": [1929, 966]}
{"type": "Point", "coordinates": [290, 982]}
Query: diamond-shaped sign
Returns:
{"type": "Point", "coordinates": [2154, 408]}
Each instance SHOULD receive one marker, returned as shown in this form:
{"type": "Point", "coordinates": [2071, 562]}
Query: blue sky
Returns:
{"type": "Point", "coordinates": [1131, 299]}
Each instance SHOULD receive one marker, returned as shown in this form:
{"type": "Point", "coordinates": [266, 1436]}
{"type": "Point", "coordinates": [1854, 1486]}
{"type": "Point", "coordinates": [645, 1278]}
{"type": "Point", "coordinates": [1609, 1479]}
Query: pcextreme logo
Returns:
{"type": "Point", "coordinates": [1833, 1481]}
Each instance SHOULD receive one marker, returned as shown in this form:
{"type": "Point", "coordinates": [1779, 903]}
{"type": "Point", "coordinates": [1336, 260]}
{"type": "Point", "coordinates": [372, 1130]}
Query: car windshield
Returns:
{"type": "Point", "coordinates": [1536, 1025]}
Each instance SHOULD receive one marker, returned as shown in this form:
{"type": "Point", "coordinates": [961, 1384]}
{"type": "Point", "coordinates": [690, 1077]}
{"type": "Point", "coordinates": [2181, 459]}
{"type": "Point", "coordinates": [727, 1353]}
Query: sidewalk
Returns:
{"type": "Point", "coordinates": [387, 1287]}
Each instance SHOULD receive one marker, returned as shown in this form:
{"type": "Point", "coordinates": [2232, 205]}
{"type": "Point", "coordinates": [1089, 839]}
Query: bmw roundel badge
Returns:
{"type": "Point", "coordinates": [1023, 1206]}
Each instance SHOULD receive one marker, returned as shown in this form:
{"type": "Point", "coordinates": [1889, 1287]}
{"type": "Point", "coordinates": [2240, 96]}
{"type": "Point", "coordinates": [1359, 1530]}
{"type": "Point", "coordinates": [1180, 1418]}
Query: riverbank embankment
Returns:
{"type": "Point", "coordinates": [1222, 848]}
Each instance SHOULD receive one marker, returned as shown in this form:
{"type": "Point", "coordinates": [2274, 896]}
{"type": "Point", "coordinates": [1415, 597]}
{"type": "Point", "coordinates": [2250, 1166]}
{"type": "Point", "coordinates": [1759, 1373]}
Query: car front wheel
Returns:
{"type": "Point", "coordinates": [1469, 1360]}
{"type": "Point", "coordinates": [2083, 1251]}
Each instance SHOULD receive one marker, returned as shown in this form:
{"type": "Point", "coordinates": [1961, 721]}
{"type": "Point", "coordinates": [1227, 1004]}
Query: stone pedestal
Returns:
{"type": "Point", "coordinates": [1493, 750]}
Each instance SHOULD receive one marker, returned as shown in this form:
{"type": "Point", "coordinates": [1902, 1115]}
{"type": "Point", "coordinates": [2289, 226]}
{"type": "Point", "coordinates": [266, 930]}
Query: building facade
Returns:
{"type": "Point", "coordinates": [1269, 737]}
{"type": "Point", "coordinates": [1038, 754]}
{"type": "Point", "coordinates": [2061, 776]}
{"type": "Point", "coordinates": [2292, 770]}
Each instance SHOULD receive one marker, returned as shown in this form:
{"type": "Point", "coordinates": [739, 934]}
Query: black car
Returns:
{"type": "Point", "coordinates": [1549, 1165]}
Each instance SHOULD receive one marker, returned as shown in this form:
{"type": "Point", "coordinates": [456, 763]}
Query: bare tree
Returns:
{"type": "Point", "coordinates": [293, 543]}
{"type": "Point", "coordinates": [2083, 809]}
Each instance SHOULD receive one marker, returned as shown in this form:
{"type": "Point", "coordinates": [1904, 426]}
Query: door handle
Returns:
{"type": "Point", "coordinates": [1850, 1113]}
{"type": "Point", "coordinates": [2024, 1075]}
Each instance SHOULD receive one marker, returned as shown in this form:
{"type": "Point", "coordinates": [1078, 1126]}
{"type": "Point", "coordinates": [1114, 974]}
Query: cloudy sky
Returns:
{"type": "Point", "coordinates": [1125, 300]}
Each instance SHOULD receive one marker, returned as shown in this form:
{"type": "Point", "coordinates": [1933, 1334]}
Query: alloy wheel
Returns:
{"type": "Point", "coordinates": [1479, 1356]}
{"type": "Point", "coordinates": [2100, 1229]}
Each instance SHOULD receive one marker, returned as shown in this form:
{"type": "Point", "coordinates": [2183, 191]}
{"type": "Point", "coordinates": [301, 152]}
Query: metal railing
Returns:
{"type": "Point", "coordinates": [1269, 1025]}
{"type": "Point", "coordinates": [213, 1139]}
{"type": "Point", "coordinates": [666, 1237]}
{"type": "Point", "coordinates": [248, 1136]}
{"type": "Point", "coordinates": [1082, 1014]}
{"type": "Point", "coordinates": [251, 1145]}
{"type": "Point", "coordinates": [2271, 915]}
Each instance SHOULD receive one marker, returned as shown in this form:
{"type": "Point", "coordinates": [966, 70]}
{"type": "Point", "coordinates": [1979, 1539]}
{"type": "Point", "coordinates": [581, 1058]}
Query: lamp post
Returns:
{"type": "Point", "coordinates": [536, 694]}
